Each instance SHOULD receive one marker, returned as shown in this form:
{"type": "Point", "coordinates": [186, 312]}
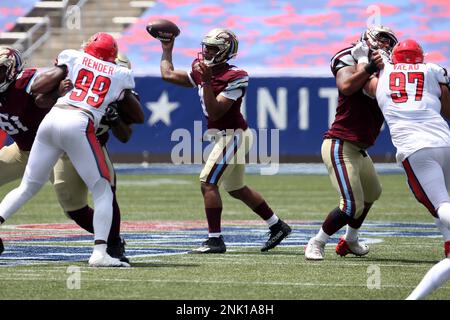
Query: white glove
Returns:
{"type": "Point", "coordinates": [360, 52]}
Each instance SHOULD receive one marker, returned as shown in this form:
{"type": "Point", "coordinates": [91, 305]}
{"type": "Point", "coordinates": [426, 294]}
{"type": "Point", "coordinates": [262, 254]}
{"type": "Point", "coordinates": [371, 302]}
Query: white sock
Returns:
{"type": "Point", "coordinates": [322, 236]}
{"type": "Point", "coordinates": [214, 235]}
{"type": "Point", "coordinates": [351, 234]}
{"type": "Point", "coordinates": [100, 248]}
{"type": "Point", "coordinates": [103, 197]}
{"type": "Point", "coordinates": [272, 220]}
{"type": "Point", "coordinates": [445, 232]}
{"type": "Point", "coordinates": [434, 278]}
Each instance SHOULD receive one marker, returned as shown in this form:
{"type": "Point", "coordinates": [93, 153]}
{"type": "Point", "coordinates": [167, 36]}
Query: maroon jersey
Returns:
{"type": "Point", "coordinates": [228, 80]}
{"type": "Point", "coordinates": [20, 117]}
{"type": "Point", "coordinates": [358, 118]}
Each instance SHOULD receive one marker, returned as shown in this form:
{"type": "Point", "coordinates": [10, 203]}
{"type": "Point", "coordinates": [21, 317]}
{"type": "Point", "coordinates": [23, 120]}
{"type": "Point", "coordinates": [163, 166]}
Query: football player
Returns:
{"type": "Point", "coordinates": [413, 97]}
{"type": "Point", "coordinates": [221, 87]}
{"type": "Point", "coordinates": [72, 192]}
{"type": "Point", "coordinates": [70, 189]}
{"type": "Point", "coordinates": [355, 128]}
{"type": "Point", "coordinates": [20, 115]}
{"type": "Point", "coordinates": [70, 127]}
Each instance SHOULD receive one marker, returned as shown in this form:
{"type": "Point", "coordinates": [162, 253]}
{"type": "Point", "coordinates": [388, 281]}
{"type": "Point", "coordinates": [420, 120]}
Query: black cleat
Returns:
{"type": "Point", "coordinates": [278, 232]}
{"type": "Point", "coordinates": [212, 245]}
{"type": "Point", "coordinates": [118, 250]}
{"type": "Point", "coordinates": [2, 248]}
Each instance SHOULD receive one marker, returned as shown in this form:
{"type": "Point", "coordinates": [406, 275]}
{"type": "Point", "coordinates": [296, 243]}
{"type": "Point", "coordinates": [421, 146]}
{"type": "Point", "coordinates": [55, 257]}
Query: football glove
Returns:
{"type": "Point", "coordinates": [360, 52]}
{"type": "Point", "coordinates": [112, 117]}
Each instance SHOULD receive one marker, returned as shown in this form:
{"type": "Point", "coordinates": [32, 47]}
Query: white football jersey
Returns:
{"type": "Point", "coordinates": [97, 83]}
{"type": "Point", "coordinates": [408, 95]}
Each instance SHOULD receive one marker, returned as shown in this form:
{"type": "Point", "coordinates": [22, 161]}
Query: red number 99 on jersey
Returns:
{"type": "Point", "coordinates": [94, 89]}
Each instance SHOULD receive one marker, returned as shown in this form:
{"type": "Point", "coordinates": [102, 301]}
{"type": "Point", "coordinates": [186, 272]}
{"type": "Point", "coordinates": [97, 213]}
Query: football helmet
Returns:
{"type": "Point", "coordinates": [103, 46]}
{"type": "Point", "coordinates": [226, 43]}
{"type": "Point", "coordinates": [11, 60]}
{"type": "Point", "coordinates": [407, 51]}
{"type": "Point", "coordinates": [123, 61]}
{"type": "Point", "coordinates": [379, 37]}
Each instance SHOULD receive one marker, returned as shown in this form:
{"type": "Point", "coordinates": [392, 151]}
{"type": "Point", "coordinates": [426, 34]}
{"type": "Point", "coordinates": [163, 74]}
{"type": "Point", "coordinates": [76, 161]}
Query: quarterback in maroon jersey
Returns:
{"type": "Point", "coordinates": [221, 87]}
{"type": "Point", "coordinates": [356, 126]}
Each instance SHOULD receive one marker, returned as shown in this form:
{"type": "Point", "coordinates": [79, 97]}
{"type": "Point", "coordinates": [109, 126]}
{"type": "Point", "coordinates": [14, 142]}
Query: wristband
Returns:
{"type": "Point", "coordinates": [371, 67]}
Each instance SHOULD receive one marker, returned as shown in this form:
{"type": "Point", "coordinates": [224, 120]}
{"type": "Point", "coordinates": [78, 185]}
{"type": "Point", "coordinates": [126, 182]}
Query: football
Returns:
{"type": "Point", "coordinates": [163, 30]}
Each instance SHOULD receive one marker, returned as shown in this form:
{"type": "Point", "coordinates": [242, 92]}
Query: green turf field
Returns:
{"type": "Point", "coordinates": [243, 272]}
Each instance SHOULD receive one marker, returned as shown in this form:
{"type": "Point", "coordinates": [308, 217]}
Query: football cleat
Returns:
{"type": "Point", "coordinates": [278, 232]}
{"type": "Point", "coordinates": [2, 248]}
{"type": "Point", "coordinates": [118, 250]}
{"type": "Point", "coordinates": [345, 247]}
{"type": "Point", "coordinates": [99, 259]}
{"type": "Point", "coordinates": [447, 249]}
{"type": "Point", "coordinates": [212, 245]}
{"type": "Point", "coordinates": [314, 250]}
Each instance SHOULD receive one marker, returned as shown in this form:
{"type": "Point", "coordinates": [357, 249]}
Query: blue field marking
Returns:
{"type": "Point", "coordinates": [78, 248]}
{"type": "Point", "coordinates": [284, 168]}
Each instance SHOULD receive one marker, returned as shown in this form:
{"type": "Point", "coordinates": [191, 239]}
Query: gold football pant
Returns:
{"type": "Point", "coordinates": [352, 174]}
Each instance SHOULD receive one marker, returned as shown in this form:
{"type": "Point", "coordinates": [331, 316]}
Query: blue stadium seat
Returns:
{"type": "Point", "coordinates": [11, 10]}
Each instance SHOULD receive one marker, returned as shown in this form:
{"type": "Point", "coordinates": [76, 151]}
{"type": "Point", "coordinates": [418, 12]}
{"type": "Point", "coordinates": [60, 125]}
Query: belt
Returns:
{"type": "Point", "coordinates": [70, 107]}
{"type": "Point", "coordinates": [359, 145]}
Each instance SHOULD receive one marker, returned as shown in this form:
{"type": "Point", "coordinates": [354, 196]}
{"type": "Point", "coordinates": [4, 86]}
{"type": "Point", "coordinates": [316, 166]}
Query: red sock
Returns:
{"type": "Point", "coordinates": [335, 220]}
{"type": "Point", "coordinates": [114, 233]}
{"type": "Point", "coordinates": [264, 211]}
{"type": "Point", "coordinates": [213, 217]}
{"type": "Point", "coordinates": [356, 223]}
{"type": "Point", "coordinates": [84, 218]}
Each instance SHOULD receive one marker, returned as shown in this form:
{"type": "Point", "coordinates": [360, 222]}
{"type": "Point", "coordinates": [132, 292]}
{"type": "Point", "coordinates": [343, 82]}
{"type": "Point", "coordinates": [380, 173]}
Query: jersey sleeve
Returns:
{"type": "Point", "coordinates": [238, 82]}
{"type": "Point", "coordinates": [341, 59]}
{"type": "Point", "coordinates": [439, 73]}
{"type": "Point", "coordinates": [194, 75]}
{"type": "Point", "coordinates": [129, 80]}
{"type": "Point", "coordinates": [233, 94]}
{"type": "Point", "coordinates": [66, 57]}
{"type": "Point", "coordinates": [30, 83]}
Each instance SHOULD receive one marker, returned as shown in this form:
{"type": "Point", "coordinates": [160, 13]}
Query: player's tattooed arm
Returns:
{"type": "Point", "coordinates": [168, 72]}
{"type": "Point", "coordinates": [215, 106]}
{"type": "Point", "coordinates": [445, 102]}
{"type": "Point", "coordinates": [351, 79]}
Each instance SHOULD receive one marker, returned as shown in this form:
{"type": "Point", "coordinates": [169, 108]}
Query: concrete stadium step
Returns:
{"type": "Point", "coordinates": [95, 16]}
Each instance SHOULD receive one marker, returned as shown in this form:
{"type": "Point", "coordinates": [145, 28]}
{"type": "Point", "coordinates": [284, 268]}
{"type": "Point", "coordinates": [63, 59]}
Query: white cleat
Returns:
{"type": "Point", "coordinates": [99, 259]}
{"type": "Point", "coordinates": [314, 250]}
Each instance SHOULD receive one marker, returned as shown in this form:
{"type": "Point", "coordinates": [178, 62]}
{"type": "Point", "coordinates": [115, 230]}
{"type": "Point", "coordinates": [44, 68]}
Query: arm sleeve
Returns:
{"type": "Point", "coordinates": [439, 73]}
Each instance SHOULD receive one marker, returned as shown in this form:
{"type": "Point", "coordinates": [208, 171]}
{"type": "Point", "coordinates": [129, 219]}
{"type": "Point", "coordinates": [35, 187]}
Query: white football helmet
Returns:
{"type": "Point", "coordinates": [226, 42]}
{"type": "Point", "coordinates": [122, 60]}
{"type": "Point", "coordinates": [379, 37]}
{"type": "Point", "coordinates": [11, 59]}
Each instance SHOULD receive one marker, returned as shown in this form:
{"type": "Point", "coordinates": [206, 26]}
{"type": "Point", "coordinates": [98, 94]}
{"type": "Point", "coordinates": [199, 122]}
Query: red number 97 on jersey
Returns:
{"type": "Point", "coordinates": [97, 88]}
